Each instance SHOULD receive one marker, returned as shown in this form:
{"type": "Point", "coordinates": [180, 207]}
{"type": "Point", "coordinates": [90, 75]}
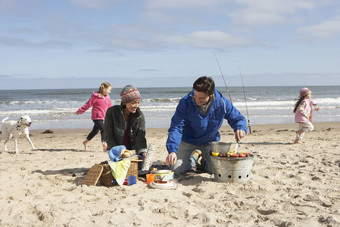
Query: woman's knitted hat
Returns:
{"type": "Point", "coordinates": [304, 91]}
{"type": "Point", "coordinates": [129, 93]}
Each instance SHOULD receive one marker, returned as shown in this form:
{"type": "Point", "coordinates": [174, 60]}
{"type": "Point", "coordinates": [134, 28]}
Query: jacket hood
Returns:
{"type": "Point", "coordinates": [98, 95]}
{"type": "Point", "coordinates": [216, 103]}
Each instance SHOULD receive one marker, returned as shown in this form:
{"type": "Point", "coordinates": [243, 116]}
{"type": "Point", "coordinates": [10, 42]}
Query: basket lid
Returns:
{"type": "Point", "coordinates": [93, 175]}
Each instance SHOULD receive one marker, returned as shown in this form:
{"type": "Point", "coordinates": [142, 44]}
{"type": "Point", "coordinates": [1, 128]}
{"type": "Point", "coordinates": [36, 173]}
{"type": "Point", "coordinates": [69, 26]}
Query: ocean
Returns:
{"type": "Point", "coordinates": [55, 108]}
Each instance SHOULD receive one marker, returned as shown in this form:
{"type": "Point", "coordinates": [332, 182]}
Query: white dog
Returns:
{"type": "Point", "coordinates": [15, 128]}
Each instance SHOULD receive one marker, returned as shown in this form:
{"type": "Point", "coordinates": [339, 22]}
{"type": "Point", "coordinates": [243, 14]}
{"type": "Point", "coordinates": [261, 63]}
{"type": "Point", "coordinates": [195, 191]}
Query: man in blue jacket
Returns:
{"type": "Point", "coordinates": [198, 117]}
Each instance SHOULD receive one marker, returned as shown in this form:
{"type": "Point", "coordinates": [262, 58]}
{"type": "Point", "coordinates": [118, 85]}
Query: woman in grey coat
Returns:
{"type": "Point", "coordinates": [125, 124]}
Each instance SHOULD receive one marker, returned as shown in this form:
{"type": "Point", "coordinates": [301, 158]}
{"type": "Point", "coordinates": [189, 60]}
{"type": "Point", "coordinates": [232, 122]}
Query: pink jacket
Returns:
{"type": "Point", "coordinates": [304, 112]}
{"type": "Point", "coordinates": [99, 106]}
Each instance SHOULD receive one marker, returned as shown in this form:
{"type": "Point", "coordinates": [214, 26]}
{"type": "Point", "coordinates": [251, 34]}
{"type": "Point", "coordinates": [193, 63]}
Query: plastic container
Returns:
{"type": "Point", "coordinates": [231, 169]}
{"type": "Point", "coordinates": [163, 175]}
{"type": "Point", "coordinates": [150, 178]}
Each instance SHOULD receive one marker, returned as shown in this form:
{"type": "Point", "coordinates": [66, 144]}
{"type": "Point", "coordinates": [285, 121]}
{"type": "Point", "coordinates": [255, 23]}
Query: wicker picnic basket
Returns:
{"type": "Point", "coordinates": [106, 179]}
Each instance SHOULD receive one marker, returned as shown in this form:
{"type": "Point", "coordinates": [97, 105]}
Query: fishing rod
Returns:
{"type": "Point", "coordinates": [245, 100]}
{"type": "Point", "coordinates": [225, 84]}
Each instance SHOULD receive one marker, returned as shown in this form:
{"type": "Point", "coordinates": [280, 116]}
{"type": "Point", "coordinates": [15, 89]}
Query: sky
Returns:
{"type": "Point", "coordinates": [47, 44]}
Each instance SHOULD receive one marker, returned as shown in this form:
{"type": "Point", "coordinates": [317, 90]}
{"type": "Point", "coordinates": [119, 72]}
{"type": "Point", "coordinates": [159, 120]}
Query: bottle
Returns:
{"type": "Point", "coordinates": [148, 158]}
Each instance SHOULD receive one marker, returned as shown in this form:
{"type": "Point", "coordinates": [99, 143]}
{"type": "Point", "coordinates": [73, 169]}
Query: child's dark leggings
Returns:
{"type": "Point", "coordinates": [98, 125]}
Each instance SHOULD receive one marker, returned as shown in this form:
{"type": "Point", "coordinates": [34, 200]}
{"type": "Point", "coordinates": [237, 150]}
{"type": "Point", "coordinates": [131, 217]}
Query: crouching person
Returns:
{"type": "Point", "coordinates": [125, 123]}
{"type": "Point", "coordinates": [198, 117]}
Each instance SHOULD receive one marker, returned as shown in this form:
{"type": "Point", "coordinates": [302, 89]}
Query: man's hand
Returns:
{"type": "Point", "coordinates": [171, 158]}
{"type": "Point", "coordinates": [239, 134]}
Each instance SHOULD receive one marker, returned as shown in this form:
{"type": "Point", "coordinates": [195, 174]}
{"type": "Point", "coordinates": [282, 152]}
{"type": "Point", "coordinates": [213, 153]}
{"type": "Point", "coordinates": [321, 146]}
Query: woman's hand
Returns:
{"type": "Point", "coordinates": [171, 158]}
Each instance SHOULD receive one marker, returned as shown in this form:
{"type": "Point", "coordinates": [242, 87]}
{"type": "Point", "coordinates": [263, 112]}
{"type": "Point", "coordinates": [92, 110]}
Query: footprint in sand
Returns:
{"type": "Point", "coordinates": [187, 194]}
{"type": "Point", "coordinates": [266, 212]}
{"type": "Point", "coordinates": [198, 189]}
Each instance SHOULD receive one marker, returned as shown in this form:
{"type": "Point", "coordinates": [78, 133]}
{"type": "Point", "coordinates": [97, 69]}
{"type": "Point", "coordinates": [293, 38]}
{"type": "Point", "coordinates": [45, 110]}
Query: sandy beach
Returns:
{"type": "Point", "coordinates": [290, 185]}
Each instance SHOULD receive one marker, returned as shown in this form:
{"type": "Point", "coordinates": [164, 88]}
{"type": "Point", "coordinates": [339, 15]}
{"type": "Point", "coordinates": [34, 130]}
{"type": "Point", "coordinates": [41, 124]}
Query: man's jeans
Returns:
{"type": "Point", "coordinates": [185, 162]}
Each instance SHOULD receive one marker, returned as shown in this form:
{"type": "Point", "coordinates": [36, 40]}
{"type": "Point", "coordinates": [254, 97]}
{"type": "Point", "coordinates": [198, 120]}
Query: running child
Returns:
{"type": "Point", "coordinates": [100, 102]}
{"type": "Point", "coordinates": [304, 113]}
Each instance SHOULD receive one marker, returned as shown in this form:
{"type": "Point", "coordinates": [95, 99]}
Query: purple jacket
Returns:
{"type": "Point", "coordinates": [304, 112]}
{"type": "Point", "coordinates": [99, 106]}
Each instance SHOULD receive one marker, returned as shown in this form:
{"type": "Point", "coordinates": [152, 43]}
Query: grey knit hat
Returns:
{"type": "Point", "coordinates": [129, 93]}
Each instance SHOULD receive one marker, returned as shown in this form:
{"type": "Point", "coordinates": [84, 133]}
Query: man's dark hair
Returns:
{"type": "Point", "coordinates": [205, 84]}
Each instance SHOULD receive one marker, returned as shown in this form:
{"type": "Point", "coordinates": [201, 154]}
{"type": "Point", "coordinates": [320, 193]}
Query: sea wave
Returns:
{"type": "Point", "coordinates": [159, 101]}
{"type": "Point", "coordinates": [56, 108]}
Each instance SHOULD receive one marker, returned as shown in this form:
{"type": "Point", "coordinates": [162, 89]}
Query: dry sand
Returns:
{"type": "Point", "coordinates": [291, 184]}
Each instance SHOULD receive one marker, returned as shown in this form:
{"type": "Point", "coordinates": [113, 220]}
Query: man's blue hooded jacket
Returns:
{"type": "Point", "coordinates": [189, 125]}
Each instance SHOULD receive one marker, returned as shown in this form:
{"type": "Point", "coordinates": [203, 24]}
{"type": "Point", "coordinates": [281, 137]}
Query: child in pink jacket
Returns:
{"type": "Point", "coordinates": [304, 113]}
{"type": "Point", "coordinates": [100, 102]}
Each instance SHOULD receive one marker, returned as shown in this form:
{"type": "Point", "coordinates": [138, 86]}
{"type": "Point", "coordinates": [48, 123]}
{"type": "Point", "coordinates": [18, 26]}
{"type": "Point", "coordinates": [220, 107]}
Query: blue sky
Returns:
{"type": "Point", "coordinates": [148, 43]}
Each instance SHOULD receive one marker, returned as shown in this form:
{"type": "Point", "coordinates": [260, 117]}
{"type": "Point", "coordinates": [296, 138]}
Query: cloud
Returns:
{"type": "Point", "coordinates": [9, 41]}
{"type": "Point", "coordinates": [148, 70]}
{"type": "Point", "coordinates": [7, 5]}
{"type": "Point", "coordinates": [106, 50]}
{"type": "Point", "coordinates": [180, 4]}
{"type": "Point", "coordinates": [210, 39]}
{"type": "Point", "coordinates": [278, 6]}
{"type": "Point", "coordinates": [14, 76]}
{"type": "Point", "coordinates": [56, 44]}
{"type": "Point", "coordinates": [176, 14]}
{"type": "Point", "coordinates": [133, 36]}
{"type": "Point", "coordinates": [132, 43]}
{"type": "Point", "coordinates": [94, 3]}
{"type": "Point", "coordinates": [323, 29]}
{"type": "Point", "coordinates": [268, 12]}
{"type": "Point", "coordinates": [5, 76]}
